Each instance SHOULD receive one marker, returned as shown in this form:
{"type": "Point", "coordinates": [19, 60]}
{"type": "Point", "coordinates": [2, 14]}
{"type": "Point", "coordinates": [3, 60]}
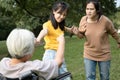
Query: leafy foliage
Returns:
{"type": "Point", "coordinates": [31, 14]}
{"type": "Point", "coordinates": [115, 20]}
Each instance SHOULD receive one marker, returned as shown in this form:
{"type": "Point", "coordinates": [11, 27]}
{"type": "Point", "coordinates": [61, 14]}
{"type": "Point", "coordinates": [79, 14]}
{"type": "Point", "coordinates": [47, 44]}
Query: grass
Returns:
{"type": "Point", "coordinates": [3, 49]}
{"type": "Point", "coordinates": [74, 58]}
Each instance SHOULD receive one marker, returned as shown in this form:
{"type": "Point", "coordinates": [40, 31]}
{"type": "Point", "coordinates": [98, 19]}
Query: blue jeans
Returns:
{"type": "Point", "coordinates": [90, 68]}
{"type": "Point", "coordinates": [50, 55]}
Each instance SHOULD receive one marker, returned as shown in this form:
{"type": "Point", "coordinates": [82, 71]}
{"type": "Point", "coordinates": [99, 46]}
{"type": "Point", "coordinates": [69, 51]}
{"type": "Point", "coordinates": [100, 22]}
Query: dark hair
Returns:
{"type": "Point", "coordinates": [62, 6]}
{"type": "Point", "coordinates": [97, 6]}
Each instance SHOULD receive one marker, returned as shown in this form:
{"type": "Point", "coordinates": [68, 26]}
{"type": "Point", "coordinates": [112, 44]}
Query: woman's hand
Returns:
{"type": "Point", "coordinates": [60, 51]}
{"type": "Point", "coordinates": [75, 30]}
{"type": "Point", "coordinates": [61, 39]}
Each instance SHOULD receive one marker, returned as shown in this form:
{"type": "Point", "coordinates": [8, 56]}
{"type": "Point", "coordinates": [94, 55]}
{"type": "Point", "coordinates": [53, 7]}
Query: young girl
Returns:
{"type": "Point", "coordinates": [54, 27]}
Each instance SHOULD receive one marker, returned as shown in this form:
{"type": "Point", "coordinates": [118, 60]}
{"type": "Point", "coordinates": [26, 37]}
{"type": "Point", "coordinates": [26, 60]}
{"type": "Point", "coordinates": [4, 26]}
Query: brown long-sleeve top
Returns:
{"type": "Point", "coordinates": [97, 46]}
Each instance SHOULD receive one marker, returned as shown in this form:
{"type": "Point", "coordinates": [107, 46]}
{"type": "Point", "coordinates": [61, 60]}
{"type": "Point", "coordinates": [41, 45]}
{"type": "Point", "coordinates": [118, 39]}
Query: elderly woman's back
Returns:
{"type": "Point", "coordinates": [20, 44]}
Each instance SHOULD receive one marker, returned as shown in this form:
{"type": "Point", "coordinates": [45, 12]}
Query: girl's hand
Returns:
{"type": "Point", "coordinates": [38, 43]}
{"type": "Point", "coordinates": [68, 29]}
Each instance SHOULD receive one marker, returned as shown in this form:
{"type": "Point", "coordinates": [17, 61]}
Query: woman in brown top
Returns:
{"type": "Point", "coordinates": [96, 28]}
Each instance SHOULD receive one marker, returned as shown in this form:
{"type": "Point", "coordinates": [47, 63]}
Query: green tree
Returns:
{"type": "Point", "coordinates": [31, 14]}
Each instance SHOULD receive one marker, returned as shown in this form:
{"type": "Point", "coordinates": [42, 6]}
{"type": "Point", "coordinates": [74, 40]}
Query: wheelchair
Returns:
{"type": "Point", "coordinates": [31, 75]}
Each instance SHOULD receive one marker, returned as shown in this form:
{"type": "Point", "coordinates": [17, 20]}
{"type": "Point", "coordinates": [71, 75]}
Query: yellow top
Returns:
{"type": "Point", "coordinates": [51, 38]}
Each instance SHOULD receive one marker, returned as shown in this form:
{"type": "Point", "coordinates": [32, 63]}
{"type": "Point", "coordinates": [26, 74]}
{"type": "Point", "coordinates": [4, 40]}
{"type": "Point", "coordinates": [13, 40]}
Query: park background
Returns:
{"type": "Point", "coordinates": [31, 14]}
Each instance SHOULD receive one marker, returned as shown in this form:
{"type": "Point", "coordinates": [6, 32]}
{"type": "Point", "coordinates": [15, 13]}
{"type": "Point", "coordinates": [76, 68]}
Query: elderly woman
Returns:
{"type": "Point", "coordinates": [20, 44]}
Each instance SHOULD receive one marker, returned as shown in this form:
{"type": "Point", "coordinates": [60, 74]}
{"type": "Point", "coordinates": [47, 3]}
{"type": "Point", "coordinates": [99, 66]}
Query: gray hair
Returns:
{"type": "Point", "coordinates": [20, 42]}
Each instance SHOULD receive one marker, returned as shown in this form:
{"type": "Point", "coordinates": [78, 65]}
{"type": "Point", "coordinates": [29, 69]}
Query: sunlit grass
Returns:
{"type": "Point", "coordinates": [74, 57]}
